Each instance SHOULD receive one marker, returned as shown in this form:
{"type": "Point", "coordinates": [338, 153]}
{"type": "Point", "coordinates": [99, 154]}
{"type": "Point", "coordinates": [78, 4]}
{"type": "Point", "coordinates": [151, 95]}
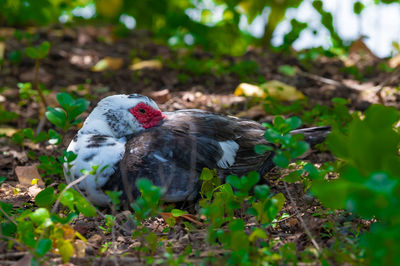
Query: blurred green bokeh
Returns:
{"type": "Point", "coordinates": [169, 21]}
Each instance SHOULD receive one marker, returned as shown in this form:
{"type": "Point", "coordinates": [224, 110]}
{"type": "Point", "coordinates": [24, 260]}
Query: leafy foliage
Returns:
{"type": "Point", "coordinates": [369, 179]}
{"type": "Point", "coordinates": [66, 117]}
{"type": "Point", "coordinates": [169, 20]}
{"type": "Point", "coordinates": [42, 230]}
{"type": "Point", "coordinates": [290, 147]}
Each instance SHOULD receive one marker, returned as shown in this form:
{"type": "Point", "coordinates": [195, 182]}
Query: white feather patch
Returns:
{"type": "Point", "coordinates": [160, 158]}
{"type": "Point", "coordinates": [229, 149]}
{"type": "Point", "coordinates": [108, 153]}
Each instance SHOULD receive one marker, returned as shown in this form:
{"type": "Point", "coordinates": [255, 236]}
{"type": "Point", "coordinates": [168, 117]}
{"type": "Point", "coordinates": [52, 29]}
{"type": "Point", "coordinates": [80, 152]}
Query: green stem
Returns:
{"type": "Point", "coordinates": [36, 84]}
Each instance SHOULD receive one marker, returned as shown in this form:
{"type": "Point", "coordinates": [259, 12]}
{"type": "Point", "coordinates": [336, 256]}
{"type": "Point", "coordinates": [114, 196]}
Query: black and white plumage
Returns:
{"type": "Point", "coordinates": [101, 141]}
{"type": "Point", "coordinates": [169, 149]}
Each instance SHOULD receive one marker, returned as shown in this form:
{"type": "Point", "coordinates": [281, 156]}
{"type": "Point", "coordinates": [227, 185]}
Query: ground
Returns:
{"type": "Point", "coordinates": [176, 84]}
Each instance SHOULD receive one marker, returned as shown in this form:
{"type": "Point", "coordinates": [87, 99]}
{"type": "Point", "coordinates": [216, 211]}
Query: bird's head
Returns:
{"type": "Point", "coordinates": [122, 115]}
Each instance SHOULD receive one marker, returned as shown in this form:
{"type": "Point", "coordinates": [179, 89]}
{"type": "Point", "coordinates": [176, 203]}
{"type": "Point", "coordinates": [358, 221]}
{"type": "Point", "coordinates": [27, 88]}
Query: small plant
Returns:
{"type": "Point", "coordinates": [146, 206]}
{"type": "Point", "coordinates": [26, 91]}
{"type": "Point", "coordinates": [38, 54]}
{"type": "Point", "coordinates": [109, 224]}
{"type": "Point", "coordinates": [290, 146]}
{"type": "Point", "coordinates": [53, 167]}
{"type": "Point", "coordinates": [42, 230]}
{"type": "Point", "coordinates": [369, 180]}
{"type": "Point", "coordinates": [6, 116]}
{"type": "Point", "coordinates": [225, 202]}
{"type": "Point", "coordinates": [20, 136]}
{"type": "Point", "coordinates": [67, 116]}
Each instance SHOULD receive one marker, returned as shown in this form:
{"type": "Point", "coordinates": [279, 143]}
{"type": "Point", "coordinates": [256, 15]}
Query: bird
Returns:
{"type": "Point", "coordinates": [128, 137]}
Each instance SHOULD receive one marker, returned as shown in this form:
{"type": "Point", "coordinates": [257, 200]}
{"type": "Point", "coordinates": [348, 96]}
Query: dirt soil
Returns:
{"type": "Point", "coordinates": [74, 51]}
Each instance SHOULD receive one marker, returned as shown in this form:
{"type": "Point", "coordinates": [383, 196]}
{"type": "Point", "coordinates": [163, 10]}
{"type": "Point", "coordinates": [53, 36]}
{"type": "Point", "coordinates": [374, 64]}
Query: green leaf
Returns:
{"type": "Point", "coordinates": [287, 70]}
{"type": "Point", "coordinates": [39, 216]}
{"type": "Point", "coordinates": [54, 137]}
{"type": "Point", "coordinates": [43, 246]}
{"type": "Point", "coordinates": [79, 107]}
{"type": "Point", "coordinates": [57, 116]}
{"type": "Point", "coordinates": [325, 189]}
{"type": "Point", "coordinates": [380, 116]}
{"type": "Point", "coordinates": [28, 133]}
{"type": "Point", "coordinates": [32, 52]}
{"type": "Point", "coordinates": [206, 174]}
{"type": "Point", "coordinates": [301, 148]}
{"type": "Point", "coordinates": [280, 160]}
{"type": "Point", "coordinates": [65, 100]}
{"type": "Point", "coordinates": [250, 180]}
{"type": "Point", "coordinates": [279, 201]}
{"type": "Point", "coordinates": [25, 231]}
{"type": "Point", "coordinates": [340, 101]}
{"type": "Point", "coordinates": [261, 149]}
{"type": "Point", "coordinates": [114, 197]}
{"type": "Point", "coordinates": [337, 144]}
{"type": "Point", "coordinates": [178, 213]}
{"type": "Point", "coordinates": [6, 207]}
{"type": "Point", "coordinates": [236, 225]}
{"type": "Point", "coordinates": [69, 156]}
{"type": "Point", "coordinates": [293, 177]}
{"type": "Point", "coordinates": [64, 219]}
{"type": "Point", "coordinates": [2, 179]}
{"type": "Point", "coordinates": [67, 199]}
{"type": "Point", "coordinates": [43, 49]}
{"type": "Point", "coordinates": [261, 192]}
{"type": "Point", "coordinates": [45, 198]}
{"type": "Point", "coordinates": [358, 7]}
{"type": "Point", "coordinates": [144, 184]}
{"type": "Point", "coordinates": [83, 206]}
{"type": "Point", "coordinates": [279, 121]}
{"type": "Point", "coordinates": [294, 122]}
{"type": "Point", "coordinates": [234, 181]}
{"type": "Point", "coordinates": [66, 250]}
{"type": "Point", "coordinates": [258, 233]}
{"type": "Point", "coordinates": [381, 183]}
{"type": "Point", "coordinates": [8, 229]}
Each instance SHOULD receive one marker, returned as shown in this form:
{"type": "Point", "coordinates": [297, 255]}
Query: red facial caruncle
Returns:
{"type": "Point", "coordinates": [146, 115]}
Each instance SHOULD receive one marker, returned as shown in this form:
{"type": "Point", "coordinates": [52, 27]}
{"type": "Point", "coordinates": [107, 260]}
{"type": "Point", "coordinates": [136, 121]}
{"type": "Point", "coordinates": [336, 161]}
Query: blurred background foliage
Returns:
{"type": "Point", "coordinates": [181, 22]}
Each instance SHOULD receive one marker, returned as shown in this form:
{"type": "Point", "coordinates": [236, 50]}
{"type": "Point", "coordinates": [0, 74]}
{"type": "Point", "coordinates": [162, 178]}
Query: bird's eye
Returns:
{"type": "Point", "coordinates": [142, 111]}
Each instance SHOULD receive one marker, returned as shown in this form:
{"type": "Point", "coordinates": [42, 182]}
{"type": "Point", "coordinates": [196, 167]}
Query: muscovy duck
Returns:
{"type": "Point", "coordinates": [136, 140]}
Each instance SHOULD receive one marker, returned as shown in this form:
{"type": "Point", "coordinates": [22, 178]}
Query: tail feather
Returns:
{"type": "Point", "coordinates": [313, 135]}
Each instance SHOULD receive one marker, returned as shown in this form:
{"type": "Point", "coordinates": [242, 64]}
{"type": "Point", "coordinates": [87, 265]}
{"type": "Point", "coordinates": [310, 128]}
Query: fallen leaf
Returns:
{"type": "Point", "coordinates": [281, 91]}
{"type": "Point", "coordinates": [27, 173]}
{"type": "Point", "coordinates": [274, 88]}
{"type": "Point", "coordinates": [108, 63]}
{"type": "Point", "coordinates": [151, 64]}
{"type": "Point", "coordinates": [8, 131]}
{"type": "Point", "coordinates": [249, 90]}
